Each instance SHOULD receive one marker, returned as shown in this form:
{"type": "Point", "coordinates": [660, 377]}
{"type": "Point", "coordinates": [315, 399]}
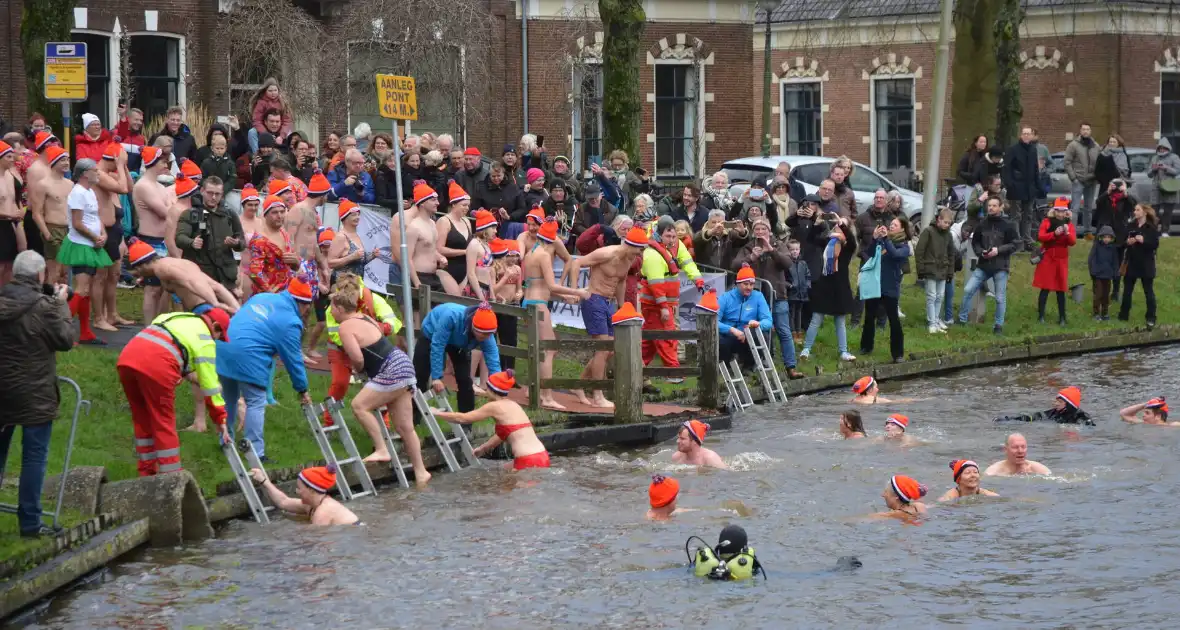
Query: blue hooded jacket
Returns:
{"type": "Point", "coordinates": [737, 311]}
{"type": "Point", "coordinates": [450, 325]}
{"type": "Point", "coordinates": [268, 324]}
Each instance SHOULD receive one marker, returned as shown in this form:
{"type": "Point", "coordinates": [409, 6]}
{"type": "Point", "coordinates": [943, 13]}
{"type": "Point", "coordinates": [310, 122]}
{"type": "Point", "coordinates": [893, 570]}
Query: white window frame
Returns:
{"type": "Point", "coordinates": [577, 142]}
{"type": "Point", "coordinates": [698, 139]}
{"type": "Point", "coordinates": [114, 83]}
{"type": "Point", "coordinates": [873, 117]}
{"type": "Point", "coordinates": [1173, 75]}
{"type": "Point", "coordinates": [181, 62]}
{"type": "Point", "coordinates": [405, 127]}
{"type": "Point", "coordinates": [783, 111]}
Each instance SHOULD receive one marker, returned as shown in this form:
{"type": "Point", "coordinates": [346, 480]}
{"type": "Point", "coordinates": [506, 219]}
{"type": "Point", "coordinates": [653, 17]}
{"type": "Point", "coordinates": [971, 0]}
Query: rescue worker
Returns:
{"type": "Point", "coordinates": [372, 305]}
{"type": "Point", "coordinates": [659, 289]}
{"type": "Point", "coordinates": [175, 346]}
{"type": "Point", "coordinates": [453, 330]}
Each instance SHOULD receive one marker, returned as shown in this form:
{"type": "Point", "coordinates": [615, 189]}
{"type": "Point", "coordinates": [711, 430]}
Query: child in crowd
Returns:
{"type": "Point", "coordinates": [1104, 268]}
{"type": "Point", "coordinates": [219, 164]}
{"type": "Point", "coordinates": [506, 254]}
{"type": "Point", "coordinates": [684, 233]}
{"type": "Point", "coordinates": [798, 288]}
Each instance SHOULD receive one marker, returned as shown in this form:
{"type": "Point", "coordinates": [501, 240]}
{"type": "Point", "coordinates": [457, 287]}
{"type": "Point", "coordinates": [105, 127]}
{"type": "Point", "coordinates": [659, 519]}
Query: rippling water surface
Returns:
{"type": "Point", "coordinates": [1093, 546]}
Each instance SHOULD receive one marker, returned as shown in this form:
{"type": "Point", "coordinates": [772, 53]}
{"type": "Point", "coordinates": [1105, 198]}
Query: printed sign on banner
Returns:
{"type": "Point", "coordinates": [374, 231]}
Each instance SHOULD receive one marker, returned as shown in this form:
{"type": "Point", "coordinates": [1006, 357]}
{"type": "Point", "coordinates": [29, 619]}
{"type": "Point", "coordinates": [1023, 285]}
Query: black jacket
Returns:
{"type": "Point", "coordinates": [469, 181]}
{"type": "Point", "coordinates": [505, 195]}
{"type": "Point", "coordinates": [832, 294]}
{"type": "Point", "coordinates": [385, 188]}
{"type": "Point", "coordinates": [1104, 261]}
{"type": "Point", "coordinates": [698, 219]}
{"type": "Point", "coordinates": [1020, 173]}
{"type": "Point", "coordinates": [968, 173]}
{"type": "Point", "coordinates": [997, 232]}
{"type": "Point", "coordinates": [33, 329]}
{"type": "Point", "coordinates": [1140, 257]}
{"type": "Point", "coordinates": [810, 251]}
{"type": "Point", "coordinates": [1107, 212]}
{"type": "Point", "coordinates": [184, 145]}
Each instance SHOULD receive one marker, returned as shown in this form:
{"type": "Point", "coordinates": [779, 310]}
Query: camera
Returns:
{"type": "Point", "coordinates": [48, 289]}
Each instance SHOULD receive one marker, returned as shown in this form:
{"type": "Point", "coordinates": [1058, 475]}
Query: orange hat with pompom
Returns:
{"type": "Point", "coordinates": [898, 420]}
{"type": "Point", "coordinates": [484, 320]}
{"type": "Point", "coordinates": [636, 237]}
{"type": "Point", "coordinates": [185, 187]}
{"type": "Point", "coordinates": [278, 187]}
{"type": "Point", "coordinates": [696, 430]}
{"type": "Point", "coordinates": [110, 153]}
{"type": "Point", "coordinates": [320, 478]}
{"type": "Point", "coordinates": [422, 192]}
{"type": "Point", "coordinates": [484, 220]}
{"type": "Point", "coordinates": [345, 208]}
{"type": "Point", "coordinates": [548, 231]}
{"type": "Point", "coordinates": [326, 236]}
{"type": "Point", "coordinates": [300, 289]}
{"type": "Point", "coordinates": [907, 489]}
{"type": "Point", "coordinates": [536, 214]}
{"type": "Point", "coordinates": [746, 273]}
{"type": "Point", "coordinates": [662, 491]}
{"type": "Point", "coordinates": [318, 185]}
{"type": "Point", "coordinates": [42, 138]}
{"type": "Point", "coordinates": [55, 154]}
{"type": "Point", "coordinates": [272, 203]}
{"type": "Point", "coordinates": [140, 252]}
{"type": "Point", "coordinates": [1159, 404]}
{"type": "Point", "coordinates": [863, 384]}
{"type": "Point", "coordinates": [456, 193]}
{"type": "Point", "coordinates": [189, 169]}
{"type": "Point", "coordinates": [959, 465]}
{"type": "Point", "coordinates": [499, 247]}
{"type": "Point", "coordinates": [250, 193]}
{"type": "Point", "coordinates": [708, 301]}
{"type": "Point", "coordinates": [502, 382]}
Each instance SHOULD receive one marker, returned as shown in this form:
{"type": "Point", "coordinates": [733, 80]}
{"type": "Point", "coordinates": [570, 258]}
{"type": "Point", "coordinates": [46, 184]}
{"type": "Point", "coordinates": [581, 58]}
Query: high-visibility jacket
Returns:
{"type": "Point", "coordinates": [372, 305]}
{"type": "Point", "coordinates": [661, 274]}
{"type": "Point", "coordinates": [197, 353]}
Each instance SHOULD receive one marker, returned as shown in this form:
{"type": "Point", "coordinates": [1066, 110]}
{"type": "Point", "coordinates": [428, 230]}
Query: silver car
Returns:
{"type": "Point", "coordinates": [1139, 158]}
{"type": "Point", "coordinates": [811, 171]}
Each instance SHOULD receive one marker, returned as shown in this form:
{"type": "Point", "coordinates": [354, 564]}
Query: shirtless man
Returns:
{"type": "Point", "coordinates": [1016, 460]}
{"type": "Point", "coordinates": [528, 241]}
{"type": "Point", "coordinates": [1155, 411]}
{"type": "Point", "coordinates": [195, 289]}
{"type": "Point", "coordinates": [272, 261]}
{"type": "Point", "coordinates": [966, 476]}
{"type": "Point", "coordinates": [48, 190]}
{"type": "Point", "coordinates": [662, 495]}
{"type": "Point", "coordinates": [895, 430]}
{"type": "Point", "coordinates": [152, 204]}
{"type": "Point", "coordinates": [422, 237]}
{"type": "Point", "coordinates": [690, 447]}
{"type": "Point", "coordinates": [113, 180]}
{"type": "Point", "coordinates": [12, 233]}
{"type": "Point", "coordinates": [312, 488]}
{"type": "Point", "coordinates": [302, 224]}
{"type": "Point", "coordinates": [608, 278]}
{"type": "Point", "coordinates": [866, 392]}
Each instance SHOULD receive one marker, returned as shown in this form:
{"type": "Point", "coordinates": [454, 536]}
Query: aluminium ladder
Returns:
{"type": "Point", "coordinates": [242, 476]}
{"type": "Point", "coordinates": [735, 383]}
{"type": "Point", "coordinates": [424, 400]}
{"type": "Point", "coordinates": [764, 364]}
{"type": "Point", "coordinates": [313, 413]}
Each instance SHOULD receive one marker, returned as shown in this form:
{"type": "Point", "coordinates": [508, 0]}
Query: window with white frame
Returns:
{"type": "Point", "coordinates": [1170, 108]}
{"type": "Point", "coordinates": [587, 115]}
{"type": "Point", "coordinates": [155, 67]}
{"type": "Point", "coordinates": [98, 77]}
{"type": "Point", "coordinates": [440, 100]}
{"type": "Point", "coordinates": [675, 119]}
{"type": "Point", "coordinates": [893, 123]}
{"type": "Point", "coordinates": [802, 123]}
{"type": "Point", "coordinates": [246, 77]}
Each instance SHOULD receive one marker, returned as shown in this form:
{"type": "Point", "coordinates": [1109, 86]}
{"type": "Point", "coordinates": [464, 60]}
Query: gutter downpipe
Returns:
{"type": "Point", "coordinates": [524, 60]}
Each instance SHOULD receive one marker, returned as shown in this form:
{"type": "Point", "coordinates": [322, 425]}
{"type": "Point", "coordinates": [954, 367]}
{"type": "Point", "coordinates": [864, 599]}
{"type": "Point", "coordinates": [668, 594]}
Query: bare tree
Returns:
{"type": "Point", "coordinates": [274, 38]}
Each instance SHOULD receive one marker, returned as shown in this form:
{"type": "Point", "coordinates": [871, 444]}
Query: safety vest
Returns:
{"type": "Point", "coordinates": [372, 305]}
{"type": "Point", "coordinates": [661, 274]}
{"type": "Point", "coordinates": [197, 352]}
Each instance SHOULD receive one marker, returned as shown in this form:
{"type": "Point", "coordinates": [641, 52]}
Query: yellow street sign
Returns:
{"type": "Point", "coordinates": [65, 71]}
{"type": "Point", "coordinates": [397, 97]}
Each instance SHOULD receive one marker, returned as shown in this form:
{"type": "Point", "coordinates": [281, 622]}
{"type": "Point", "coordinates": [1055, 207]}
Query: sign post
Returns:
{"type": "Point", "coordinates": [397, 99]}
{"type": "Point", "coordinates": [65, 79]}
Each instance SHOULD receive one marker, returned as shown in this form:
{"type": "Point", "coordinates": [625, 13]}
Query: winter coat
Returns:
{"type": "Point", "coordinates": [1169, 167]}
{"type": "Point", "coordinates": [967, 171]}
{"type": "Point", "coordinates": [1052, 272]}
{"type": "Point", "coordinates": [258, 115]}
{"type": "Point", "coordinates": [798, 281]}
{"type": "Point", "coordinates": [1020, 174]}
{"type": "Point", "coordinates": [845, 201]}
{"type": "Point", "coordinates": [184, 145]}
{"type": "Point", "coordinates": [132, 143]}
{"type": "Point", "coordinates": [534, 198]}
{"type": "Point", "coordinates": [215, 258]}
{"type": "Point", "coordinates": [865, 224]}
{"type": "Point", "coordinates": [832, 294]}
{"type": "Point", "coordinates": [470, 180]}
{"type": "Point", "coordinates": [385, 188]}
{"type": "Point", "coordinates": [206, 151]}
{"type": "Point", "coordinates": [1140, 257]}
{"type": "Point", "coordinates": [1113, 210]}
{"type": "Point", "coordinates": [34, 327]}
{"type": "Point", "coordinates": [735, 311]}
{"type": "Point", "coordinates": [437, 179]}
{"type": "Point", "coordinates": [222, 168]}
{"type": "Point", "coordinates": [997, 232]}
{"type": "Point", "coordinates": [734, 243]}
{"type": "Point", "coordinates": [571, 183]}
{"type": "Point", "coordinates": [716, 200]}
{"type": "Point", "coordinates": [504, 195]}
{"type": "Point", "coordinates": [409, 176]}
{"type": "Point", "coordinates": [449, 325]}
{"type": "Point", "coordinates": [698, 219]}
{"type": "Point", "coordinates": [585, 216]}
{"type": "Point", "coordinates": [811, 251]}
{"type": "Point", "coordinates": [935, 254]}
{"type": "Point", "coordinates": [268, 324]}
{"type": "Point", "coordinates": [1081, 157]}
{"type": "Point", "coordinates": [1111, 164]}
{"type": "Point", "coordinates": [771, 266]}
{"type": "Point", "coordinates": [1104, 261]}
{"type": "Point", "coordinates": [342, 190]}
{"type": "Point", "coordinates": [984, 169]}
{"type": "Point", "coordinates": [708, 250]}
{"type": "Point", "coordinates": [87, 147]}
{"type": "Point", "coordinates": [893, 258]}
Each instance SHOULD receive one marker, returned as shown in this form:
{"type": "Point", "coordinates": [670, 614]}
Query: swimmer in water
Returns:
{"type": "Point", "coordinates": [966, 475]}
{"type": "Point", "coordinates": [895, 426]}
{"type": "Point", "coordinates": [851, 426]}
{"type": "Point", "coordinates": [1155, 411]}
{"type": "Point", "coordinates": [1016, 460]}
{"type": "Point", "coordinates": [690, 447]}
{"type": "Point", "coordinates": [662, 494]}
{"type": "Point", "coordinates": [902, 497]}
{"type": "Point", "coordinates": [867, 393]}
{"type": "Point", "coordinates": [512, 424]}
{"type": "Point", "coordinates": [1067, 409]}
{"type": "Point", "coordinates": [313, 487]}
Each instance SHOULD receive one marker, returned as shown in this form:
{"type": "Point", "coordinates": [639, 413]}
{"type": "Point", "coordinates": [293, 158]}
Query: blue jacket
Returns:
{"type": "Point", "coordinates": [341, 190]}
{"type": "Point", "coordinates": [893, 258]}
{"type": "Point", "coordinates": [268, 324]}
{"type": "Point", "coordinates": [735, 311]}
{"type": "Point", "coordinates": [449, 325]}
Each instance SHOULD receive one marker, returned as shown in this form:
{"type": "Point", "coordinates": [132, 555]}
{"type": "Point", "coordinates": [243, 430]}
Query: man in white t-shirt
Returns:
{"type": "Point", "coordinates": [83, 249]}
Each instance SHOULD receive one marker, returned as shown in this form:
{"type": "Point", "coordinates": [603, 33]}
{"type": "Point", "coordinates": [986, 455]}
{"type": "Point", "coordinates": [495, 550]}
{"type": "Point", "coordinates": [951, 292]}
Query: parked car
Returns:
{"type": "Point", "coordinates": [811, 171]}
{"type": "Point", "coordinates": [1140, 182]}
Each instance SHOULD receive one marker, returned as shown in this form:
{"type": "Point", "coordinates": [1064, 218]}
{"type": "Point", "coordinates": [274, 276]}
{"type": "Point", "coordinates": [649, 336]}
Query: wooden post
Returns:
{"type": "Point", "coordinates": [628, 373]}
{"type": "Point", "coordinates": [423, 303]}
{"type": "Point", "coordinates": [533, 325]}
{"type": "Point", "coordinates": [707, 360]}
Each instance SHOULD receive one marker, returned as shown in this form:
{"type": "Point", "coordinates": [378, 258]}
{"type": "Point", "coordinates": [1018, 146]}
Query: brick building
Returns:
{"type": "Point", "coordinates": [850, 76]}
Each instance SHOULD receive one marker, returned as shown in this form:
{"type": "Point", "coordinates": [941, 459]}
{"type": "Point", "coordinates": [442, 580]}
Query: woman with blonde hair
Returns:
{"type": "Point", "coordinates": [531, 155]}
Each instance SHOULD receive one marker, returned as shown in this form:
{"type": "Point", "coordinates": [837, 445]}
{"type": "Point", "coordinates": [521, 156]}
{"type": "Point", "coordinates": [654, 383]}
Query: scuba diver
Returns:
{"type": "Point", "coordinates": [731, 559]}
{"type": "Point", "coordinates": [1067, 409]}
{"type": "Point", "coordinates": [1155, 411]}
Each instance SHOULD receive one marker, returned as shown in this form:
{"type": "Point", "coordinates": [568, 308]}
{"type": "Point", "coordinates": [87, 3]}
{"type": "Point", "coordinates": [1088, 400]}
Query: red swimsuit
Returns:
{"type": "Point", "coordinates": [536, 460]}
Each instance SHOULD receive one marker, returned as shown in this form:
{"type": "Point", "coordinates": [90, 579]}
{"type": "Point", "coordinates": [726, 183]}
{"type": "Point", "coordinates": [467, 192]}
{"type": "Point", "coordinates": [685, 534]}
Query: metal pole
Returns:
{"type": "Point", "coordinates": [524, 60]}
{"type": "Point", "coordinates": [65, 126]}
{"type": "Point", "coordinates": [937, 114]}
{"type": "Point", "coordinates": [407, 296]}
{"type": "Point", "coordinates": [766, 90]}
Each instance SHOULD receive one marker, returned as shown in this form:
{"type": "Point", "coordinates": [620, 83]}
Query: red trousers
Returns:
{"type": "Point", "coordinates": [150, 374]}
{"type": "Point", "coordinates": [341, 379]}
{"type": "Point", "coordinates": [666, 348]}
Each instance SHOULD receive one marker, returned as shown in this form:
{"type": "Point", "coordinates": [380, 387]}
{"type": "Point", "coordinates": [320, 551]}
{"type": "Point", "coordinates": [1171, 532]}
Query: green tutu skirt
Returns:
{"type": "Point", "coordinates": [73, 254]}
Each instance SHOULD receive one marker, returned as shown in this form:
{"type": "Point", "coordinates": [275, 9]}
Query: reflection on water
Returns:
{"type": "Point", "coordinates": [1091, 546]}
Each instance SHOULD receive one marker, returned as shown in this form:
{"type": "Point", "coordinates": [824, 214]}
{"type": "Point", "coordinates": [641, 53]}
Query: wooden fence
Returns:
{"type": "Point", "coordinates": [629, 371]}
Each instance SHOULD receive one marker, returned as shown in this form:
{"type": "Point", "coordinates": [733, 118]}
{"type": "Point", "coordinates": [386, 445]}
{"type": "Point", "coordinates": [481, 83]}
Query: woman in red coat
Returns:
{"type": "Point", "coordinates": [1056, 235]}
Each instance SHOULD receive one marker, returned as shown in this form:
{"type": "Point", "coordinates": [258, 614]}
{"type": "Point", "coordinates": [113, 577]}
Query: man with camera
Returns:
{"type": "Point", "coordinates": [209, 235]}
{"type": "Point", "coordinates": [350, 181]}
{"type": "Point", "coordinates": [35, 324]}
{"type": "Point", "coordinates": [1115, 208]}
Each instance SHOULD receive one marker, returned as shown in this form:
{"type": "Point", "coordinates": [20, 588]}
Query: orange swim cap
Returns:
{"type": "Point", "coordinates": [863, 384]}
{"type": "Point", "coordinates": [907, 489]}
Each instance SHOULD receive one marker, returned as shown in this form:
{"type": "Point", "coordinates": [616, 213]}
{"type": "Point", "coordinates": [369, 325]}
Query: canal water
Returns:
{"type": "Point", "coordinates": [1094, 545]}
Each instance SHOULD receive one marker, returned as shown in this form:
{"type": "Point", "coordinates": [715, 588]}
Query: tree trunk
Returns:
{"type": "Point", "coordinates": [43, 21]}
{"type": "Point", "coordinates": [623, 22]}
{"type": "Point", "coordinates": [1009, 111]}
{"type": "Point", "coordinates": [973, 73]}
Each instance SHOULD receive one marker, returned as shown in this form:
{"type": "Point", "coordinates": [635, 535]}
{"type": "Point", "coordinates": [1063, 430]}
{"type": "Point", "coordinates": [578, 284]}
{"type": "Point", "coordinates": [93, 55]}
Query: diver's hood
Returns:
{"type": "Point", "coordinates": [731, 541]}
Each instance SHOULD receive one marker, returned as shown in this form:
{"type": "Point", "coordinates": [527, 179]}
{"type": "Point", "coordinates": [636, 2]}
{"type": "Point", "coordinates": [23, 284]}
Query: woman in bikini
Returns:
{"type": "Point", "coordinates": [347, 254]}
{"type": "Point", "coordinates": [966, 475]}
{"type": "Point", "coordinates": [528, 240]}
{"type": "Point", "coordinates": [539, 285]}
{"type": "Point", "coordinates": [251, 224]}
{"type": "Point", "coordinates": [505, 290]}
{"type": "Point", "coordinates": [454, 235]}
{"type": "Point", "coordinates": [312, 488]}
{"type": "Point", "coordinates": [903, 498]}
{"type": "Point", "coordinates": [390, 373]}
{"type": "Point", "coordinates": [480, 276]}
{"type": "Point", "coordinates": [512, 424]}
